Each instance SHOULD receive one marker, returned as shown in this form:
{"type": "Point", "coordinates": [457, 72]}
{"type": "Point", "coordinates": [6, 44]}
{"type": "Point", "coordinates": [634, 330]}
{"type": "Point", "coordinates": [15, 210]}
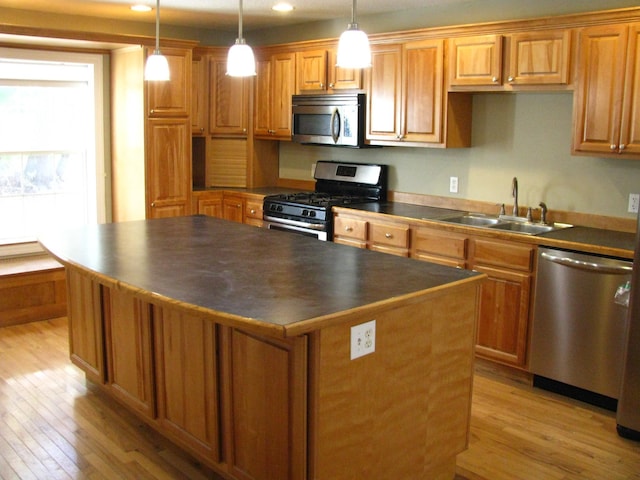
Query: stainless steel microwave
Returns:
{"type": "Point", "coordinates": [332, 119]}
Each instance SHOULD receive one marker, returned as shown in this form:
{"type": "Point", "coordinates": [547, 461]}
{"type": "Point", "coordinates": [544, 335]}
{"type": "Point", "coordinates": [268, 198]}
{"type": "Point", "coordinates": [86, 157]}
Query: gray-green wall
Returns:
{"type": "Point", "coordinates": [526, 135]}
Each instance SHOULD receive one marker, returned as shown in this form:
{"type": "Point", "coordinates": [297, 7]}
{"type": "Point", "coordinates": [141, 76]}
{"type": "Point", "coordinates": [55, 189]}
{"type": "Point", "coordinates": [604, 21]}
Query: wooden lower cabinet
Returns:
{"type": "Point", "coordinates": [264, 397]}
{"type": "Point", "coordinates": [437, 246]}
{"type": "Point", "coordinates": [84, 312]}
{"type": "Point", "coordinates": [187, 381]}
{"type": "Point", "coordinates": [350, 231]}
{"type": "Point", "coordinates": [505, 299]}
{"type": "Point", "coordinates": [127, 323]}
{"type": "Point", "coordinates": [208, 203]}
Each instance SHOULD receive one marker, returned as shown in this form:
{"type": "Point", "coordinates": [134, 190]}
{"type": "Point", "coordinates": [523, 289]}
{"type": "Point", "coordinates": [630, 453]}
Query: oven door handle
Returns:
{"type": "Point", "coordinates": [335, 127]}
{"type": "Point", "coordinates": [295, 223]}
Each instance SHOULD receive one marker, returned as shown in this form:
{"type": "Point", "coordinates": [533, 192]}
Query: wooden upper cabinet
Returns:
{"type": "Point", "coordinates": [199, 95]}
{"type": "Point", "coordinates": [384, 92]}
{"type": "Point", "coordinates": [606, 96]}
{"type": "Point", "coordinates": [274, 86]}
{"type": "Point", "coordinates": [311, 67]}
{"type": "Point", "coordinates": [423, 82]}
{"type": "Point", "coordinates": [228, 100]}
{"type": "Point", "coordinates": [168, 167]}
{"type": "Point", "coordinates": [317, 73]}
{"type": "Point", "coordinates": [407, 102]}
{"type": "Point", "coordinates": [475, 60]}
{"type": "Point", "coordinates": [538, 58]}
{"type": "Point", "coordinates": [601, 68]}
{"type": "Point", "coordinates": [172, 98]}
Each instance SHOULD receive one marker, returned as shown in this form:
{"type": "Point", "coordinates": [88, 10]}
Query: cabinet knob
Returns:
{"type": "Point", "coordinates": [511, 79]}
{"type": "Point", "coordinates": [321, 85]}
{"type": "Point", "coordinates": [331, 85]}
{"type": "Point", "coordinates": [348, 229]}
{"type": "Point", "coordinates": [153, 204]}
{"type": "Point", "coordinates": [613, 148]}
{"type": "Point", "coordinates": [622, 147]}
{"type": "Point", "coordinates": [253, 211]}
{"type": "Point", "coordinates": [388, 235]}
{"type": "Point", "coordinates": [152, 111]}
{"type": "Point", "coordinates": [494, 79]}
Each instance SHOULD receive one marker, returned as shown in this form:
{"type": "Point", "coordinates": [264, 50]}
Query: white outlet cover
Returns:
{"type": "Point", "coordinates": [363, 339]}
{"type": "Point", "coordinates": [634, 201]}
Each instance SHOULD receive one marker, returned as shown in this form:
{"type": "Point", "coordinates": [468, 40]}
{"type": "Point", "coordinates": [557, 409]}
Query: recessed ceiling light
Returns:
{"type": "Point", "coordinates": [282, 7]}
{"type": "Point", "coordinates": [141, 8]}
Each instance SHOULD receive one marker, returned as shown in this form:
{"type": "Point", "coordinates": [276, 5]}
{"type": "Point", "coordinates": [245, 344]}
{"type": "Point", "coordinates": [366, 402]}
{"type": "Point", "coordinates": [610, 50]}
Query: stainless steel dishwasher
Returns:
{"type": "Point", "coordinates": [578, 336]}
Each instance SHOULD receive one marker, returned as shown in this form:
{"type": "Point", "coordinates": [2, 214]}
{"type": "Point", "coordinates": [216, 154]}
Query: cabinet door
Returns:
{"type": "Point", "coordinates": [630, 129]}
{"type": "Point", "coordinates": [253, 212]}
{"type": "Point", "coordinates": [262, 98]}
{"type": "Point", "coordinates": [539, 58]}
{"type": "Point", "coordinates": [598, 96]}
{"type": "Point", "coordinates": [84, 311]}
{"type": "Point", "coordinates": [432, 245]}
{"type": "Point", "coordinates": [172, 98]}
{"type": "Point", "coordinates": [129, 354]}
{"type": "Point", "coordinates": [228, 100]}
{"type": "Point", "coordinates": [503, 320]}
{"type": "Point", "coordinates": [283, 85]}
{"type": "Point", "coordinates": [265, 394]}
{"type": "Point", "coordinates": [311, 69]}
{"type": "Point", "coordinates": [384, 92]}
{"type": "Point", "coordinates": [168, 169]}
{"type": "Point", "coordinates": [187, 386]}
{"type": "Point", "coordinates": [199, 95]}
{"type": "Point", "coordinates": [422, 91]}
{"type": "Point", "coordinates": [233, 208]}
{"type": "Point", "coordinates": [342, 78]}
{"type": "Point", "coordinates": [350, 231]}
{"type": "Point", "coordinates": [475, 60]}
{"type": "Point", "coordinates": [211, 205]}
{"type": "Point", "coordinates": [504, 315]}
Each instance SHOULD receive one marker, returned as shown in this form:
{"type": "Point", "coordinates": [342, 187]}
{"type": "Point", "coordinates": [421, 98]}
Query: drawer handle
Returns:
{"type": "Point", "coordinates": [348, 229]}
{"type": "Point", "coordinates": [253, 211]}
{"type": "Point", "coordinates": [388, 235]}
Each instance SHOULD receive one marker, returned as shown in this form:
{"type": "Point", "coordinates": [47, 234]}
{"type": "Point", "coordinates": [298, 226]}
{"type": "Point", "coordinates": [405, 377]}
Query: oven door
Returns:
{"type": "Point", "coordinates": [313, 230]}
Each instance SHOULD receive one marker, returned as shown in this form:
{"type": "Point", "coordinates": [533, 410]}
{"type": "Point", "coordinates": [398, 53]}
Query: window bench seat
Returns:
{"type": "Point", "coordinates": [31, 288]}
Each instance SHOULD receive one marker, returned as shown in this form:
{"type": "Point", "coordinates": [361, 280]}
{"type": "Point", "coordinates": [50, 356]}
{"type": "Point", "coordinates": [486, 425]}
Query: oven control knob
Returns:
{"type": "Point", "coordinates": [305, 213]}
{"type": "Point", "coordinates": [279, 208]}
{"type": "Point", "coordinates": [312, 213]}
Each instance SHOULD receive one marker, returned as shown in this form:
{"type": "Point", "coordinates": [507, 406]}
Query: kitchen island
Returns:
{"type": "Point", "coordinates": [236, 343]}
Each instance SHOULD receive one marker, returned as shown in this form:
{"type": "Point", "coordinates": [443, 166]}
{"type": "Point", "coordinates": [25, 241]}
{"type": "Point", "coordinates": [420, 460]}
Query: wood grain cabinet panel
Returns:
{"type": "Point", "coordinates": [275, 84]}
{"type": "Point", "coordinates": [265, 398]}
{"type": "Point", "coordinates": [475, 60]}
{"type": "Point", "coordinates": [433, 245]}
{"type": "Point", "coordinates": [186, 376]}
{"type": "Point", "coordinates": [350, 231]}
{"type": "Point", "coordinates": [228, 100]}
{"type": "Point", "coordinates": [389, 238]}
{"type": "Point", "coordinates": [606, 100]}
{"type": "Point", "coordinates": [539, 58]}
{"type": "Point", "coordinates": [127, 322]}
{"type": "Point", "coordinates": [172, 98]}
{"type": "Point", "coordinates": [505, 299]}
{"type": "Point", "coordinates": [86, 338]}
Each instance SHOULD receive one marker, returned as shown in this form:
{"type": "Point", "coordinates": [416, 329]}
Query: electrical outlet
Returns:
{"type": "Point", "coordinates": [634, 201]}
{"type": "Point", "coordinates": [363, 339]}
{"type": "Point", "coordinates": [453, 184]}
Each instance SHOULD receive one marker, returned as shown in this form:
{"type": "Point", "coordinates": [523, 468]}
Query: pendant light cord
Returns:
{"type": "Point", "coordinates": [158, 26]}
{"type": "Point", "coordinates": [240, 23]}
{"type": "Point", "coordinates": [353, 13]}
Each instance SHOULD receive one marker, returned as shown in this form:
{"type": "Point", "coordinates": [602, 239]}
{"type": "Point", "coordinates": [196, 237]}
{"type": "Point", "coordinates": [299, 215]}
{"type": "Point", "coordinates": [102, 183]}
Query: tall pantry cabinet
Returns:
{"type": "Point", "coordinates": [151, 136]}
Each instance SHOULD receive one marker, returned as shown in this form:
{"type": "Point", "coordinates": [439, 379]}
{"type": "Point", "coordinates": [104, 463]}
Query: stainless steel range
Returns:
{"type": "Point", "coordinates": [337, 183]}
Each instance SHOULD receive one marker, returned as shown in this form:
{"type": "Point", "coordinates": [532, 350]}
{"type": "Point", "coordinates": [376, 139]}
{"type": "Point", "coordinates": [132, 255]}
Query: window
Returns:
{"type": "Point", "coordinates": [51, 147]}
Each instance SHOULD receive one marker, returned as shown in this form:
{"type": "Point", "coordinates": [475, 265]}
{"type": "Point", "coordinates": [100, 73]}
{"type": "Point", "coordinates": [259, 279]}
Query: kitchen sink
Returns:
{"type": "Point", "coordinates": [476, 220]}
{"type": "Point", "coordinates": [504, 222]}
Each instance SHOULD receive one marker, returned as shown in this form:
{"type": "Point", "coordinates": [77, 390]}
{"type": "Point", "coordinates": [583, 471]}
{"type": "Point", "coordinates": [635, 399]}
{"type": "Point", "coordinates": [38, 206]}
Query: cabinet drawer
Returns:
{"type": "Point", "coordinates": [439, 243]}
{"type": "Point", "coordinates": [392, 235]}
{"type": "Point", "coordinates": [350, 228]}
{"type": "Point", "coordinates": [253, 209]}
{"type": "Point", "coordinates": [502, 254]}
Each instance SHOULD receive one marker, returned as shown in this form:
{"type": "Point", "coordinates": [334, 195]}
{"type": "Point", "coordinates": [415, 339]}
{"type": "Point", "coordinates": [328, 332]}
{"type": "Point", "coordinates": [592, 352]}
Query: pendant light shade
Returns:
{"type": "Point", "coordinates": [240, 59]}
{"type": "Point", "coordinates": [353, 47]}
{"type": "Point", "coordinates": [157, 67]}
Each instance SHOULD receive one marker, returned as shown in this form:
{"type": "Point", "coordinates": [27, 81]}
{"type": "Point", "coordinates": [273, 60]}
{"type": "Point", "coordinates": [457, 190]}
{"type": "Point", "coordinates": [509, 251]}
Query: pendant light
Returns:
{"type": "Point", "coordinates": [157, 67]}
{"type": "Point", "coordinates": [240, 60]}
{"type": "Point", "coordinates": [353, 46]}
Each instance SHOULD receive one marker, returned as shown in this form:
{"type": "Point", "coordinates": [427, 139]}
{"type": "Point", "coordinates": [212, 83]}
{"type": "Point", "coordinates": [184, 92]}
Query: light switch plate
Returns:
{"type": "Point", "coordinates": [363, 339]}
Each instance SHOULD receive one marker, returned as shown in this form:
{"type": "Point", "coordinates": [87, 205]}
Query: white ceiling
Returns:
{"type": "Point", "coordinates": [222, 14]}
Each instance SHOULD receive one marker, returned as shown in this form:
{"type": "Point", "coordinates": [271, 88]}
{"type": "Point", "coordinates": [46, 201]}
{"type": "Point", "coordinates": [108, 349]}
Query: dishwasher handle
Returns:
{"type": "Point", "coordinates": [588, 266]}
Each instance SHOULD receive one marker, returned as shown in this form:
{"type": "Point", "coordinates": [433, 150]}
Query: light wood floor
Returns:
{"type": "Point", "coordinates": [53, 425]}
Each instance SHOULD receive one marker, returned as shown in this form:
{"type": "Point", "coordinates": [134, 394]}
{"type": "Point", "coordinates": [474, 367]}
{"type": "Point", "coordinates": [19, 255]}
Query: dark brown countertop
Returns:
{"type": "Point", "coordinates": [251, 274]}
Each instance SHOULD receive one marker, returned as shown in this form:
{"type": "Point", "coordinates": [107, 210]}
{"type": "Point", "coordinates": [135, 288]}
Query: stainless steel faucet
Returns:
{"type": "Point", "coordinates": [543, 213]}
{"type": "Point", "coordinates": [514, 192]}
